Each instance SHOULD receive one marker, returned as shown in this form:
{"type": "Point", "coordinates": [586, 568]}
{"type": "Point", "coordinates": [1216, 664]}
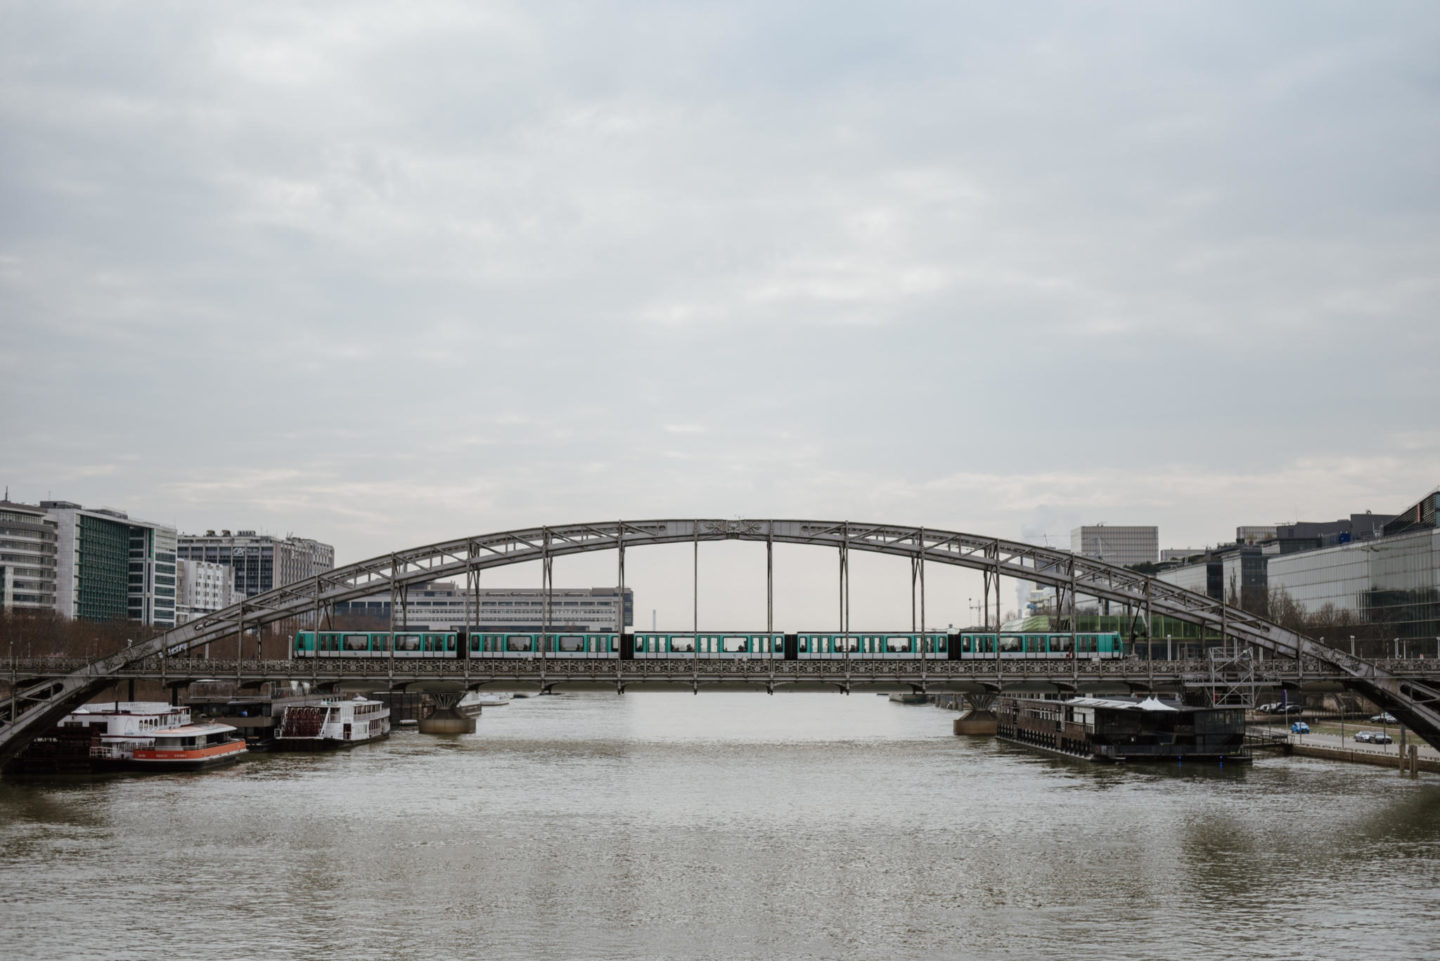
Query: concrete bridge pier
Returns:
{"type": "Point", "coordinates": [980, 720]}
{"type": "Point", "coordinates": [446, 719]}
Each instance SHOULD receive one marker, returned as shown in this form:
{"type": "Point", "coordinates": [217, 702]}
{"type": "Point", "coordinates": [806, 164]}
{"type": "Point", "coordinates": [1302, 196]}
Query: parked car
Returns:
{"type": "Point", "coordinates": [1268, 708]}
{"type": "Point", "coordinates": [1363, 736]}
{"type": "Point", "coordinates": [1386, 718]}
{"type": "Point", "coordinates": [1299, 727]}
{"type": "Point", "coordinates": [1290, 709]}
{"type": "Point", "coordinates": [1381, 738]}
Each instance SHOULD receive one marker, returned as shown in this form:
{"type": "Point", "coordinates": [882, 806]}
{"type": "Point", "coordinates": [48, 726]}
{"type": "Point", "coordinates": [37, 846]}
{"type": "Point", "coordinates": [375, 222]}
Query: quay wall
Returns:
{"type": "Point", "coordinates": [1429, 765]}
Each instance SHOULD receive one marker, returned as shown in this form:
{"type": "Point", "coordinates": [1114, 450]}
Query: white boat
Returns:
{"type": "Point", "coordinates": [331, 724]}
{"type": "Point", "coordinates": [189, 747]}
{"type": "Point", "coordinates": [124, 735]}
{"type": "Point", "coordinates": [474, 702]}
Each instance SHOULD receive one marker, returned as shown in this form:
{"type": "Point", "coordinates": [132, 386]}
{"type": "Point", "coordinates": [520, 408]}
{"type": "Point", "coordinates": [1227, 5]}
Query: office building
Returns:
{"type": "Point", "coordinates": [28, 549]}
{"type": "Point", "coordinates": [1388, 587]}
{"type": "Point", "coordinates": [111, 566]}
{"type": "Point", "coordinates": [1117, 545]}
{"type": "Point", "coordinates": [442, 606]}
{"type": "Point", "coordinates": [258, 562]}
{"type": "Point", "coordinates": [204, 588]}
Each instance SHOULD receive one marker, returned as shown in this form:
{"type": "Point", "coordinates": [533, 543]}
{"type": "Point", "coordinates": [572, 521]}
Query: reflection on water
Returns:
{"type": "Point", "coordinates": [721, 826]}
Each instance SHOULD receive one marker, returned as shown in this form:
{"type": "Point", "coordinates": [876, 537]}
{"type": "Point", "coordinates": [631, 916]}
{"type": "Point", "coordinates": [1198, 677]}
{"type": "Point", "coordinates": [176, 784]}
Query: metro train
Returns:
{"type": "Point", "coordinates": [650, 645]}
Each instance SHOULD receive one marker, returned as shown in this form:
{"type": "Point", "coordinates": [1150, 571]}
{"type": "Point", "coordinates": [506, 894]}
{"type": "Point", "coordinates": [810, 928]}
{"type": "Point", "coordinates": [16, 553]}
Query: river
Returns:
{"type": "Point", "coordinates": [724, 825]}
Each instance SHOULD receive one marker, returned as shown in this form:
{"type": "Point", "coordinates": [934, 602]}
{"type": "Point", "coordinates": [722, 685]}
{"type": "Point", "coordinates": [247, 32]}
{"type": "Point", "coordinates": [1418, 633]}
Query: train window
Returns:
{"type": "Point", "coordinates": [571, 643]}
{"type": "Point", "coordinates": [682, 645]}
{"type": "Point", "coordinates": [897, 645]}
{"type": "Point", "coordinates": [1010, 644]}
{"type": "Point", "coordinates": [736, 645]}
{"type": "Point", "coordinates": [517, 642]}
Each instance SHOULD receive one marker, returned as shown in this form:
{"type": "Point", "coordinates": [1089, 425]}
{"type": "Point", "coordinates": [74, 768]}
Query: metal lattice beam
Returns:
{"type": "Point", "coordinates": [1417, 704]}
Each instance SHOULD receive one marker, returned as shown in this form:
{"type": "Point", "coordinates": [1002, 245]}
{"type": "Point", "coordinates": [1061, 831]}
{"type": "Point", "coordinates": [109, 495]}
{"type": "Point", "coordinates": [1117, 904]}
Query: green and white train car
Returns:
{"type": "Point", "coordinates": [408, 644]}
{"type": "Point", "coordinates": [1044, 646]}
{"type": "Point", "coordinates": [934, 646]}
{"type": "Point", "coordinates": [491, 644]}
{"type": "Point", "coordinates": [650, 646]}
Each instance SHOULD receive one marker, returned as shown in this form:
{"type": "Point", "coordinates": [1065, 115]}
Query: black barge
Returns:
{"type": "Point", "coordinates": [1124, 729]}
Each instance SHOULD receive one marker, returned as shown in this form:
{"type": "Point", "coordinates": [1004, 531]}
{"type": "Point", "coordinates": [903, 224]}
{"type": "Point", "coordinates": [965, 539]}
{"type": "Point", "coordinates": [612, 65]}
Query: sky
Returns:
{"type": "Point", "coordinates": [386, 275]}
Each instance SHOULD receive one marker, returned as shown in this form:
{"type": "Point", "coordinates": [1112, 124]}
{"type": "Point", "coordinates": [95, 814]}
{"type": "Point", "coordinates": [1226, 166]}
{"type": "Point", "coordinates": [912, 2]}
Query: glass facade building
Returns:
{"type": "Point", "coordinates": [111, 566]}
{"type": "Point", "coordinates": [102, 566]}
{"type": "Point", "coordinates": [1377, 590]}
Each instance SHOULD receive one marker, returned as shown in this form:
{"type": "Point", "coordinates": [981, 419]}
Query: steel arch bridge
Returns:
{"type": "Point", "coordinates": [39, 705]}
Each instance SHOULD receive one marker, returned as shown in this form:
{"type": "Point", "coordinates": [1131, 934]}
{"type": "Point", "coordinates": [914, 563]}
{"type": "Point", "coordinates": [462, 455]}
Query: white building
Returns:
{"type": "Point", "coordinates": [441, 606]}
{"type": "Point", "coordinates": [259, 562]}
{"type": "Point", "coordinates": [110, 565]}
{"type": "Point", "coordinates": [1117, 545]}
{"type": "Point", "coordinates": [1202, 578]}
{"type": "Point", "coordinates": [203, 589]}
{"type": "Point", "coordinates": [27, 557]}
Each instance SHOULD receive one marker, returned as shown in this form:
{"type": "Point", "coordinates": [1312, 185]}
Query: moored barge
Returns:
{"type": "Point", "coordinates": [130, 736]}
{"type": "Point", "coordinates": [331, 724]}
{"type": "Point", "coordinates": [190, 747]}
{"type": "Point", "coordinates": [1124, 729]}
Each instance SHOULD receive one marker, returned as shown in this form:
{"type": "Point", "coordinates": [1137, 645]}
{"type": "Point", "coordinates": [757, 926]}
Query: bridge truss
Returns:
{"type": "Point", "coordinates": [35, 707]}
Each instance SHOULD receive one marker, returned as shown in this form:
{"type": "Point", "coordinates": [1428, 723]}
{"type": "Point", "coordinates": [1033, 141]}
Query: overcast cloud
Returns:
{"type": "Point", "coordinates": [385, 276]}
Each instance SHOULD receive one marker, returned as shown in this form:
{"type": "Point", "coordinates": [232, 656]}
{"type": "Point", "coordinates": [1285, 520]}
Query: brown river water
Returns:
{"type": "Point", "coordinates": [724, 825]}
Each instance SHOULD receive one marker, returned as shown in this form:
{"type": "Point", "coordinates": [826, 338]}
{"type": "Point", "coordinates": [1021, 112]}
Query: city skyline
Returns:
{"type": "Point", "coordinates": [454, 270]}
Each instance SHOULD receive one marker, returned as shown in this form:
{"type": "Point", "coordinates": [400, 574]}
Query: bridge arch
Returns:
{"type": "Point", "coordinates": [1416, 703]}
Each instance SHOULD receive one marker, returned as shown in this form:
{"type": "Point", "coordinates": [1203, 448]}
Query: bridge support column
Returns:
{"type": "Point", "coordinates": [447, 720]}
{"type": "Point", "coordinates": [980, 720]}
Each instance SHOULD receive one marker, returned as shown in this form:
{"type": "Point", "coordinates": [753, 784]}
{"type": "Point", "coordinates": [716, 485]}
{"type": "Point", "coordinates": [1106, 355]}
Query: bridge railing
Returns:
{"type": "Point", "coordinates": [1193, 670]}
